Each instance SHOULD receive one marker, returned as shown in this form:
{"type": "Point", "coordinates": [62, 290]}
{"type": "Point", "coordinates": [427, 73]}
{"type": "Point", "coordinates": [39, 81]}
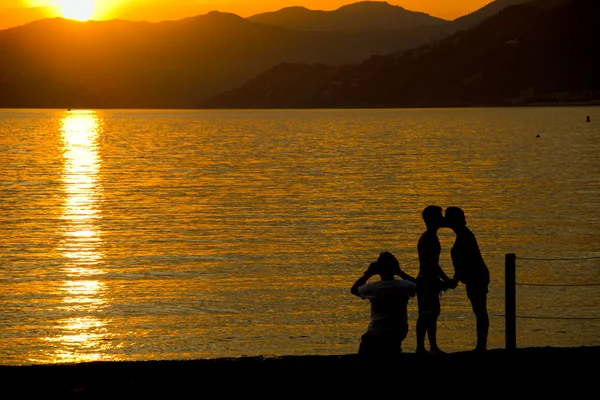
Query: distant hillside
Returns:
{"type": "Point", "coordinates": [476, 17]}
{"type": "Point", "coordinates": [174, 64]}
{"type": "Point", "coordinates": [361, 16]}
{"type": "Point", "coordinates": [523, 54]}
{"type": "Point", "coordinates": [283, 86]}
{"type": "Point", "coordinates": [58, 63]}
{"type": "Point", "coordinates": [63, 63]}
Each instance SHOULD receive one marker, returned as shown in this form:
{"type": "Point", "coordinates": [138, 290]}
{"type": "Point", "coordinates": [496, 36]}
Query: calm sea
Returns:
{"type": "Point", "coordinates": [152, 235]}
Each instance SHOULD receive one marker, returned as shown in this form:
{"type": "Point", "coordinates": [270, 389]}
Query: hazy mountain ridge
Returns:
{"type": "Point", "coordinates": [171, 64]}
{"type": "Point", "coordinates": [283, 86]}
{"type": "Point", "coordinates": [473, 19]}
{"type": "Point", "coordinates": [59, 63]}
{"type": "Point", "coordinates": [361, 16]}
{"type": "Point", "coordinates": [525, 53]}
{"type": "Point", "coordinates": [485, 12]}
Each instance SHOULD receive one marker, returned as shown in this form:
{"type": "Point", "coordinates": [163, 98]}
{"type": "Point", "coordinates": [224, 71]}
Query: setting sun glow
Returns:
{"type": "Point", "coordinates": [81, 10]}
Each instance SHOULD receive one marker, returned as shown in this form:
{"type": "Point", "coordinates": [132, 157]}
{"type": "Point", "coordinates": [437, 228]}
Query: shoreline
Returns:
{"type": "Point", "coordinates": [592, 103]}
{"type": "Point", "coordinates": [182, 375]}
{"type": "Point", "coordinates": [528, 355]}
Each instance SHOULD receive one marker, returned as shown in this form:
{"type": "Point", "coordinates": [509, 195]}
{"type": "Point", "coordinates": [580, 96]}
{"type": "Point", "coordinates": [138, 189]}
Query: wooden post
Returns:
{"type": "Point", "coordinates": [510, 301]}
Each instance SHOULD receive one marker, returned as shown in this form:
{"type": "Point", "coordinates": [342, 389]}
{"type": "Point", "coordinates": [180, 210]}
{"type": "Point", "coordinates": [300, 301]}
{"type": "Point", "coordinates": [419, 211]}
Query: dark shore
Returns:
{"type": "Point", "coordinates": [183, 376]}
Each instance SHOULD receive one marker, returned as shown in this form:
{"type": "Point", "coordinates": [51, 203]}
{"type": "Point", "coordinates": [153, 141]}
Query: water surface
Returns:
{"type": "Point", "coordinates": [141, 235]}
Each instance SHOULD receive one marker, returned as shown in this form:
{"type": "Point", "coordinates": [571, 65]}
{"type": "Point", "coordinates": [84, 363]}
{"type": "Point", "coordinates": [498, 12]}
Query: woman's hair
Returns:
{"type": "Point", "coordinates": [455, 216]}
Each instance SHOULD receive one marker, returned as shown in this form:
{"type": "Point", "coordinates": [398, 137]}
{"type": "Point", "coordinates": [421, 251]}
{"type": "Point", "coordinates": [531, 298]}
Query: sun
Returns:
{"type": "Point", "coordinates": [81, 10]}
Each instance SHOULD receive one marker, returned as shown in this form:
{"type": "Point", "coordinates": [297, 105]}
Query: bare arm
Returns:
{"type": "Point", "coordinates": [406, 276]}
{"type": "Point", "coordinates": [442, 274]}
{"type": "Point", "coordinates": [372, 270]}
{"type": "Point", "coordinates": [359, 282]}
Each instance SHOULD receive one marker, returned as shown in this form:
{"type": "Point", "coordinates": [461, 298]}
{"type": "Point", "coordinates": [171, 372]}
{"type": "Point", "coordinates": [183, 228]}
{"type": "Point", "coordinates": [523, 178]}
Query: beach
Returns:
{"type": "Point", "coordinates": [189, 376]}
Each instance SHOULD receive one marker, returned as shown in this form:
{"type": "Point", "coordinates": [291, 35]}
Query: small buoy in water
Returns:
{"type": "Point", "coordinates": [588, 119]}
{"type": "Point", "coordinates": [538, 135]}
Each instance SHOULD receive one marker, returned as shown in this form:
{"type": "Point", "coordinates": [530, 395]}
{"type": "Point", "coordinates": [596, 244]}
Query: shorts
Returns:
{"type": "Point", "coordinates": [428, 295]}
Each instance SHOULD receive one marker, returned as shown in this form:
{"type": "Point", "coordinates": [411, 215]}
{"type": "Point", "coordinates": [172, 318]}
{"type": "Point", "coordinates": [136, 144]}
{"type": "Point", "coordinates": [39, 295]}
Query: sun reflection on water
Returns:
{"type": "Point", "coordinates": [82, 335]}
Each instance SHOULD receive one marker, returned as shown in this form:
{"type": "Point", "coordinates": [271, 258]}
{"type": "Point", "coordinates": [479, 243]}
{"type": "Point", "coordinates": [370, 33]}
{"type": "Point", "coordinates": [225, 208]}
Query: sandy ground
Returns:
{"type": "Point", "coordinates": [184, 379]}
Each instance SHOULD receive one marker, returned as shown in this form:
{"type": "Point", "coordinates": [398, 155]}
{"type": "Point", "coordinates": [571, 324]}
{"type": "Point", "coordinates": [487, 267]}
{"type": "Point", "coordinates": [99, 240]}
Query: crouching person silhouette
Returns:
{"type": "Point", "coordinates": [381, 345]}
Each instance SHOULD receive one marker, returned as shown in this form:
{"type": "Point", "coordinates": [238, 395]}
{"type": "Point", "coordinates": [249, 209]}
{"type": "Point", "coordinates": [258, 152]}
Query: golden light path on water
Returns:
{"type": "Point", "coordinates": [82, 335]}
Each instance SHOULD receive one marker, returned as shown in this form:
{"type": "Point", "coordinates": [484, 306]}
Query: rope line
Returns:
{"type": "Point", "coordinates": [510, 273]}
{"type": "Point", "coordinates": [543, 284]}
{"type": "Point", "coordinates": [539, 317]}
{"type": "Point", "coordinates": [558, 259]}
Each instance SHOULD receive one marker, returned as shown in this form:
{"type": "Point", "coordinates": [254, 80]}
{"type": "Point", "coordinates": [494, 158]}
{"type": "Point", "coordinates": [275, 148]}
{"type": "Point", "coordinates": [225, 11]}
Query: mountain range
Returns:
{"type": "Point", "coordinates": [537, 52]}
{"type": "Point", "coordinates": [223, 60]}
{"type": "Point", "coordinates": [356, 17]}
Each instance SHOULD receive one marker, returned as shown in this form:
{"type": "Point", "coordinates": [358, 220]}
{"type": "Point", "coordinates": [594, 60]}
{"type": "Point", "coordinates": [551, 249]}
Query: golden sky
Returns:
{"type": "Point", "coordinates": [19, 12]}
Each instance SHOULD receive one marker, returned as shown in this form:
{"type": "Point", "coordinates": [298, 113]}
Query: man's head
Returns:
{"type": "Point", "coordinates": [433, 217]}
{"type": "Point", "coordinates": [455, 217]}
{"type": "Point", "coordinates": [387, 265]}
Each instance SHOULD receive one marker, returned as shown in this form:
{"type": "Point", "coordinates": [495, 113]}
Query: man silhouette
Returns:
{"type": "Point", "coordinates": [382, 343]}
{"type": "Point", "coordinates": [431, 280]}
